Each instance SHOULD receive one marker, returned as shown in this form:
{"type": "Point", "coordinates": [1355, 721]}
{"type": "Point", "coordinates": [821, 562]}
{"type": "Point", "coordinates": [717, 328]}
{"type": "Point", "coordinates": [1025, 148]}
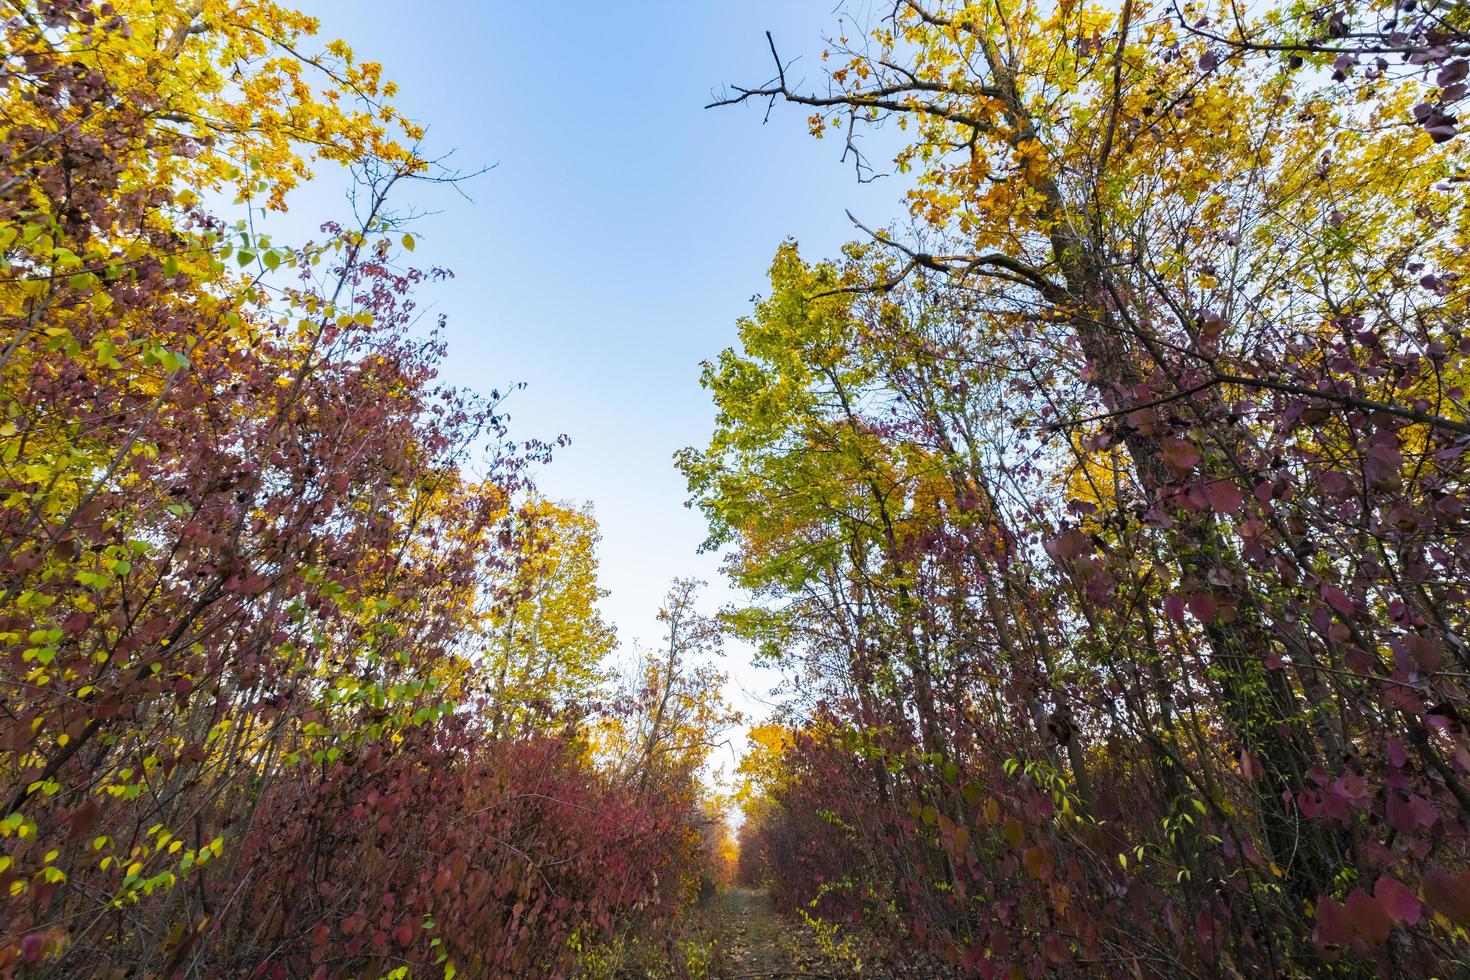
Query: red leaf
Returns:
{"type": "Point", "coordinates": [1368, 917]}
{"type": "Point", "coordinates": [1204, 929]}
{"type": "Point", "coordinates": [1144, 420]}
{"type": "Point", "coordinates": [1424, 814]}
{"type": "Point", "coordinates": [1203, 606]}
{"type": "Point", "coordinates": [1448, 894]}
{"type": "Point", "coordinates": [31, 948]}
{"type": "Point", "coordinates": [1225, 497]}
{"type": "Point", "coordinates": [82, 819]}
{"type": "Point", "coordinates": [1424, 652]}
{"type": "Point", "coordinates": [1400, 903]}
{"type": "Point", "coordinates": [1333, 930]}
{"type": "Point", "coordinates": [1069, 545]}
{"type": "Point", "coordinates": [1179, 454]}
{"type": "Point", "coordinates": [1174, 608]}
{"type": "Point", "coordinates": [1400, 816]}
{"type": "Point", "coordinates": [1338, 600]}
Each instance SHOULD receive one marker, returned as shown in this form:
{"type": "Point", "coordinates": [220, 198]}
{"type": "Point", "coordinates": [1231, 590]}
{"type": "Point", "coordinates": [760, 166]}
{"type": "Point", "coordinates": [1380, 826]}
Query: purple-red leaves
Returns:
{"type": "Point", "coordinates": [1383, 463]}
{"type": "Point", "coordinates": [83, 819]}
{"type": "Point", "coordinates": [1368, 916]}
{"type": "Point", "coordinates": [1448, 894]}
{"type": "Point", "coordinates": [1205, 931]}
{"type": "Point", "coordinates": [1334, 483]}
{"type": "Point", "coordinates": [1338, 600]}
{"type": "Point", "coordinates": [1203, 606]}
{"type": "Point", "coordinates": [1334, 930]}
{"type": "Point", "coordinates": [1069, 545]}
{"type": "Point", "coordinates": [1055, 950]}
{"type": "Point", "coordinates": [1174, 608]}
{"type": "Point", "coordinates": [1421, 651]}
{"type": "Point", "coordinates": [1401, 905]}
{"type": "Point", "coordinates": [1180, 454]}
{"type": "Point", "coordinates": [1225, 497]}
{"type": "Point", "coordinates": [1437, 122]}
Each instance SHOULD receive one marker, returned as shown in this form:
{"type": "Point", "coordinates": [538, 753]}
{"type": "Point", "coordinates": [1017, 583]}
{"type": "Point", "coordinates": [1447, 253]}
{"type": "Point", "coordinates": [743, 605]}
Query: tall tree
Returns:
{"type": "Point", "coordinates": [1220, 296]}
{"type": "Point", "coordinates": [545, 640]}
{"type": "Point", "coordinates": [243, 536]}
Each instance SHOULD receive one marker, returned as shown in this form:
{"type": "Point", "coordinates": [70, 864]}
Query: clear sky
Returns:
{"type": "Point", "coordinates": [623, 231]}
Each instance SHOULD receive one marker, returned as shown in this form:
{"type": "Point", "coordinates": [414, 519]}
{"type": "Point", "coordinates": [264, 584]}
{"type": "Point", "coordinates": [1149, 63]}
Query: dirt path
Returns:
{"type": "Point", "coordinates": [751, 942]}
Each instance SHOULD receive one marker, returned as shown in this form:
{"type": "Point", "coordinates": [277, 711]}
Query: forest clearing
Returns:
{"type": "Point", "coordinates": [1080, 582]}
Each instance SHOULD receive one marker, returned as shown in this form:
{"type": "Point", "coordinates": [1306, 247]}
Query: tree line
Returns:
{"type": "Point", "coordinates": [1110, 509]}
{"type": "Point", "coordinates": [1108, 514]}
{"type": "Point", "coordinates": [299, 674]}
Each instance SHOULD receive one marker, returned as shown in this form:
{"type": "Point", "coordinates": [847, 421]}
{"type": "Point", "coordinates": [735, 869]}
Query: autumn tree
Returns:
{"type": "Point", "coordinates": [1165, 382]}
{"type": "Point", "coordinates": [545, 640]}
{"type": "Point", "coordinates": [244, 540]}
{"type": "Point", "coordinates": [675, 709]}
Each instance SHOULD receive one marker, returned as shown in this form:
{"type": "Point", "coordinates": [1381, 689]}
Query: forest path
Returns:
{"type": "Point", "coordinates": [751, 942]}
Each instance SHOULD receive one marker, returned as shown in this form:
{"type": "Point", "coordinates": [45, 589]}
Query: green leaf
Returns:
{"type": "Point", "coordinates": [173, 360]}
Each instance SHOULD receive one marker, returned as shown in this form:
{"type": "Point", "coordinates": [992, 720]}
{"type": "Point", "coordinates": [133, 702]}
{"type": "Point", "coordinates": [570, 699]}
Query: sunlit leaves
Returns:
{"type": "Point", "coordinates": [245, 575]}
{"type": "Point", "coordinates": [1162, 405]}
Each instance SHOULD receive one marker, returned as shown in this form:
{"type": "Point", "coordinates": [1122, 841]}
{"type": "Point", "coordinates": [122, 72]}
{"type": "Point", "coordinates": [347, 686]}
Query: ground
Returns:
{"type": "Point", "coordinates": [749, 941]}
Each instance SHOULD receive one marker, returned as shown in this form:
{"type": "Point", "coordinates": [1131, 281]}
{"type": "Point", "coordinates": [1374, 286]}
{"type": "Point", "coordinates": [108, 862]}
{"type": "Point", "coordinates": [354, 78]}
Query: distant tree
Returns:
{"type": "Point", "coordinates": [545, 640]}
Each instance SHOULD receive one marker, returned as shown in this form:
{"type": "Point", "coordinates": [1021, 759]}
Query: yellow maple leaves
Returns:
{"type": "Point", "coordinates": [241, 81]}
{"type": "Point", "coordinates": [543, 638]}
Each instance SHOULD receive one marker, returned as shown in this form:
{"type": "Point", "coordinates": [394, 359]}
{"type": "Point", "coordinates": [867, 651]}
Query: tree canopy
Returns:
{"type": "Point", "coordinates": [1106, 515]}
{"type": "Point", "coordinates": [1112, 507]}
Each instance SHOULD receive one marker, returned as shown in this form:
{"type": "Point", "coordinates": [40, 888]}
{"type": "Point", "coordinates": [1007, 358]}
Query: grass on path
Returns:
{"type": "Point", "coordinates": [749, 941]}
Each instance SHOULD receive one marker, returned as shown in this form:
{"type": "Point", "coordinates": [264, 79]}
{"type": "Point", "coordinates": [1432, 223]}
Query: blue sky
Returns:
{"type": "Point", "coordinates": [623, 231]}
